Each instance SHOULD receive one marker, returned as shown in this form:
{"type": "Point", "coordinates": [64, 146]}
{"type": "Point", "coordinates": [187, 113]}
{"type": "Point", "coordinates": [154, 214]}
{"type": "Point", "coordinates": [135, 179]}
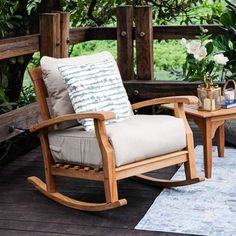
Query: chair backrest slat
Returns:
{"type": "Point", "coordinates": [41, 92]}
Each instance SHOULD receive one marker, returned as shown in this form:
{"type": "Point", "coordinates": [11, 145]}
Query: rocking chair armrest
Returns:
{"type": "Point", "coordinates": [54, 121]}
{"type": "Point", "coordinates": [173, 99]}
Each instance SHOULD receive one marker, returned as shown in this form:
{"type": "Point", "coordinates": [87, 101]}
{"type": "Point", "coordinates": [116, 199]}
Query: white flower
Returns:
{"type": "Point", "coordinates": [200, 53]}
{"type": "Point", "coordinates": [220, 59]}
{"type": "Point", "coordinates": [183, 41]}
{"type": "Point", "coordinates": [204, 30]}
{"type": "Point", "coordinates": [193, 46]}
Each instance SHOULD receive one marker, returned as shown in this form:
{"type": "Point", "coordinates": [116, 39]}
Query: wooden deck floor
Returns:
{"type": "Point", "coordinates": [24, 211]}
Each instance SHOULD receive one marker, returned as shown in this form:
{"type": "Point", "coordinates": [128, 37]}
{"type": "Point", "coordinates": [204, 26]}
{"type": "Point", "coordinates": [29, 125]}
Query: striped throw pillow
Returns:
{"type": "Point", "coordinates": [96, 86]}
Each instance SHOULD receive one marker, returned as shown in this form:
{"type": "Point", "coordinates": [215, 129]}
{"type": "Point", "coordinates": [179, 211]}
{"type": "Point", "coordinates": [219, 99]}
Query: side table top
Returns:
{"type": "Point", "coordinates": [192, 109]}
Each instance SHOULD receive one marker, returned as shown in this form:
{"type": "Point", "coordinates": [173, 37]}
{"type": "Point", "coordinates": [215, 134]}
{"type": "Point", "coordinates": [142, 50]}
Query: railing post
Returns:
{"type": "Point", "coordinates": [50, 35]}
{"type": "Point", "coordinates": [125, 41]}
{"type": "Point", "coordinates": [144, 42]}
{"type": "Point", "coordinates": [65, 28]}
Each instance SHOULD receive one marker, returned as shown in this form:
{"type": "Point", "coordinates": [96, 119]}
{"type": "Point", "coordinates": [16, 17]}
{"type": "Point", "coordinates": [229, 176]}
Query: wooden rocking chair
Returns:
{"type": "Point", "coordinates": [109, 173]}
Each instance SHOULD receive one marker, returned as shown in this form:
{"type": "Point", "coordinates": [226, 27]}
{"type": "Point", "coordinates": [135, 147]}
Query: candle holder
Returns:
{"type": "Point", "coordinates": [209, 96]}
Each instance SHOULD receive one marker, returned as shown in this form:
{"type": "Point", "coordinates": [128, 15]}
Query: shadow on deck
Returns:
{"type": "Point", "coordinates": [24, 211]}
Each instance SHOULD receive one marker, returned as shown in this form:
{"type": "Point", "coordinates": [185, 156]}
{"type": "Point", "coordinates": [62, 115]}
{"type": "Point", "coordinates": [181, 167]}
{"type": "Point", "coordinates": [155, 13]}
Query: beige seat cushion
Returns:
{"type": "Point", "coordinates": [75, 145]}
{"type": "Point", "coordinates": [137, 138]}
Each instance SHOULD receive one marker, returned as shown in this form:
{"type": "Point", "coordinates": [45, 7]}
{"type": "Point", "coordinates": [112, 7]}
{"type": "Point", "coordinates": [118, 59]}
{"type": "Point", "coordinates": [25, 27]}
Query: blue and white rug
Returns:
{"type": "Point", "coordinates": [205, 208]}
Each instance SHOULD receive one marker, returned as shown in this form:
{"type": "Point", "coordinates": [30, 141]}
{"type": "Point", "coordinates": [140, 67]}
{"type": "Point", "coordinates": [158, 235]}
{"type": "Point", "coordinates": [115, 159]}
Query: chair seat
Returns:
{"type": "Point", "coordinates": [137, 138]}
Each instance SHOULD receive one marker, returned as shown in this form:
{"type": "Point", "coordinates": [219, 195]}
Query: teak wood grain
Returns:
{"type": "Point", "coordinates": [19, 46]}
{"type": "Point", "coordinates": [125, 42]}
{"type": "Point", "coordinates": [50, 34]}
{"type": "Point", "coordinates": [109, 174]}
{"type": "Point", "coordinates": [211, 124]}
{"type": "Point", "coordinates": [23, 45]}
{"type": "Point", "coordinates": [64, 31]}
{"type": "Point", "coordinates": [144, 42]}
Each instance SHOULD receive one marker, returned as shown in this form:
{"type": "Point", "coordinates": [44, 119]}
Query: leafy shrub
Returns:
{"type": "Point", "coordinates": [227, 43]}
{"type": "Point", "coordinates": [93, 47]}
{"type": "Point", "coordinates": [163, 60]}
{"type": "Point", "coordinates": [168, 54]}
{"type": "Point", "coordinates": [27, 95]}
{"type": "Point", "coordinates": [8, 17]}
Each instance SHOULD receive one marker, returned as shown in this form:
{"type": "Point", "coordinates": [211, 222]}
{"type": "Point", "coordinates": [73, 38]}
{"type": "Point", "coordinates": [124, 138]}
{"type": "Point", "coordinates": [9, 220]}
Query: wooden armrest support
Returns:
{"type": "Point", "coordinates": [174, 99]}
{"type": "Point", "coordinates": [77, 116]}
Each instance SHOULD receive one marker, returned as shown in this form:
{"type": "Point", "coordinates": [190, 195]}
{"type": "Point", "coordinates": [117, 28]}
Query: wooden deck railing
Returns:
{"type": "Point", "coordinates": [55, 37]}
{"type": "Point", "coordinates": [22, 45]}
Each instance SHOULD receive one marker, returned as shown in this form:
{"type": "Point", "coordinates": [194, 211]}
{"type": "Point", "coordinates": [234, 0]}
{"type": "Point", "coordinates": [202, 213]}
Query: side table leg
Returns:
{"type": "Point", "coordinates": [206, 129]}
{"type": "Point", "coordinates": [207, 139]}
{"type": "Point", "coordinates": [220, 137]}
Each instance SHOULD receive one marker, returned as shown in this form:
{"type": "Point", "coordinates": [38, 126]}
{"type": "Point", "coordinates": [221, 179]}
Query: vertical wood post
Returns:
{"type": "Point", "coordinates": [144, 42]}
{"type": "Point", "coordinates": [65, 28]}
{"type": "Point", "coordinates": [125, 41]}
{"type": "Point", "coordinates": [50, 35]}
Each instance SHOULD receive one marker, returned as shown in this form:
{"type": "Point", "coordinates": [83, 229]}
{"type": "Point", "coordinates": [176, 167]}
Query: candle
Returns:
{"type": "Point", "coordinates": [208, 104]}
{"type": "Point", "coordinates": [213, 106]}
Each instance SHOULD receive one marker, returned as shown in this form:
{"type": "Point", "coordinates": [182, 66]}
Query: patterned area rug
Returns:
{"type": "Point", "coordinates": [206, 208]}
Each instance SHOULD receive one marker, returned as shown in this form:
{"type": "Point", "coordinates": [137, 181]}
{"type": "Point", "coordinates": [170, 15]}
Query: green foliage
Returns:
{"type": "Point", "coordinates": [168, 54]}
{"type": "Point", "coordinates": [8, 17]}
{"type": "Point", "coordinates": [27, 95]}
{"type": "Point", "coordinates": [186, 12]}
{"type": "Point", "coordinates": [209, 11]}
{"type": "Point", "coordinates": [102, 12]}
{"type": "Point", "coordinates": [90, 13]}
{"type": "Point", "coordinates": [8, 20]}
{"type": "Point", "coordinates": [35, 61]}
{"type": "Point", "coordinates": [32, 5]}
{"type": "Point", "coordinates": [227, 43]}
{"type": "Point", "coordinates": [94, 46]}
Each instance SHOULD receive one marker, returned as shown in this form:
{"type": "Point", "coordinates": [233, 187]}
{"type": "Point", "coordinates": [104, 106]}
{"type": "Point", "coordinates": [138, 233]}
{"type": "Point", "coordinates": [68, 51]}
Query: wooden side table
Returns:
{"type": "Point", "coordinates": [211, 124]}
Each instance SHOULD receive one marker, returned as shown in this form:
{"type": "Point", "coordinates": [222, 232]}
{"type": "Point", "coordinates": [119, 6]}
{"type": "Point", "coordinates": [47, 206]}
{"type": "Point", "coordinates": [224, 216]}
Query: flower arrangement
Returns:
{"type": "Point", "coordinates": [201, 59]}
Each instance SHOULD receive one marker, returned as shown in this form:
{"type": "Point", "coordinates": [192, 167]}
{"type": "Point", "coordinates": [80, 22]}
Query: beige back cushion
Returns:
{"type": "Point", "coordinates": [56, 88]}
{"type": "Point", "coordinates": [57, 92]}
